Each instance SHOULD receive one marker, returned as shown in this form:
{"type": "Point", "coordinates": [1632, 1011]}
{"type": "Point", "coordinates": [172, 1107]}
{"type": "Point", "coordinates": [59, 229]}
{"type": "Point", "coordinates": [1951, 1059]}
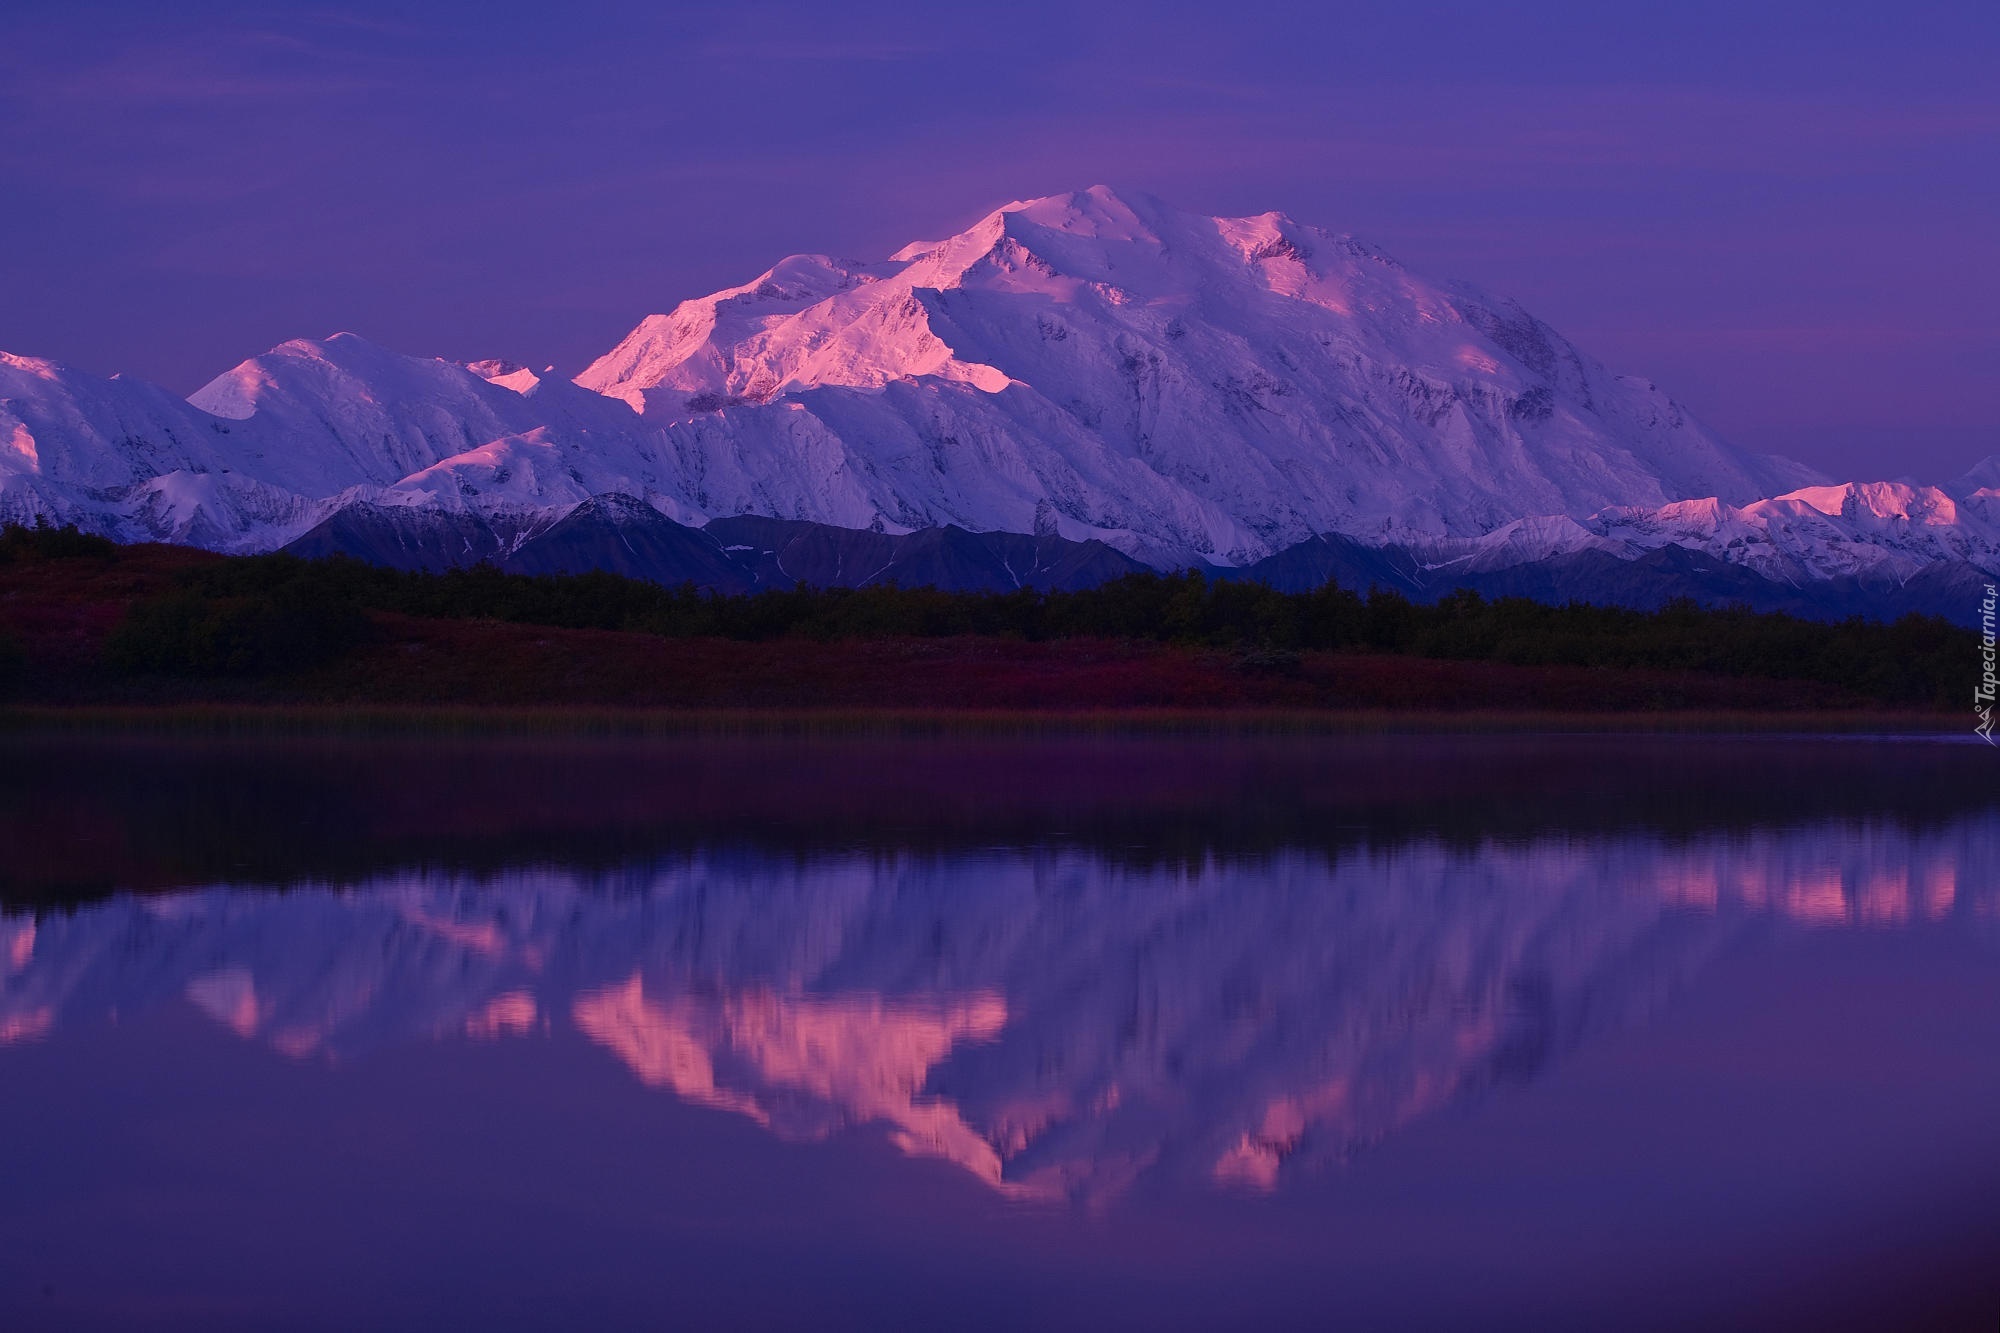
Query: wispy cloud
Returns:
{"type": "Point", "coordinates": [224, 68]}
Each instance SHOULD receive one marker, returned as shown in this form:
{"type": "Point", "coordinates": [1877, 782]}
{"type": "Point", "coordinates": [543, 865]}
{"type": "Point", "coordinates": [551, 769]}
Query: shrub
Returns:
{"type": "Point", "coordinates": [186, 633]}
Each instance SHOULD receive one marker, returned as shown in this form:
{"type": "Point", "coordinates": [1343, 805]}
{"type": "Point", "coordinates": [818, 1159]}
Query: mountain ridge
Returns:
{"type": "Point", "coordinates": [1093, 367]}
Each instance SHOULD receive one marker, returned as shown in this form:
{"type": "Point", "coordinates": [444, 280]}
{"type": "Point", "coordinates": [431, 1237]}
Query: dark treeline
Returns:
{"type": "Point", "coordinates": [277, 613]}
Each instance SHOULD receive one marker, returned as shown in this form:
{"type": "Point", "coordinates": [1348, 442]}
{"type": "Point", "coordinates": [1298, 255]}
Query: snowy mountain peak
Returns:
{"type": "Point", "coordinates": [36, 366]}
{"type": "Point", "coordinates": [320, 416]}
{"type": "Point", "coordinates": [684, 348]}
{"type": "Point", "coordinates": [342, 361]}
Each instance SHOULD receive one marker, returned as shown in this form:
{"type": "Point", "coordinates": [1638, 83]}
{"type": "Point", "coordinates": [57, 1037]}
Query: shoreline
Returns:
{"type": "Point", "coordinates": [279, 720]}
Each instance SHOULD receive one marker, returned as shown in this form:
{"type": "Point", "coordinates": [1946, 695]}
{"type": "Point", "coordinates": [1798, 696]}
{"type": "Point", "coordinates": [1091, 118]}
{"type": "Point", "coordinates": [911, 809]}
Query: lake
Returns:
{"type": "Point", "coordinates": [1501, 1031]}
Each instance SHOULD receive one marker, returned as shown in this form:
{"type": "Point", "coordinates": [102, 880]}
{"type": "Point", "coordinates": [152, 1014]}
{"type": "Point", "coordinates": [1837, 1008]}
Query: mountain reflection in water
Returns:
{"type": "Point", "coordinates": [1056, 1020]}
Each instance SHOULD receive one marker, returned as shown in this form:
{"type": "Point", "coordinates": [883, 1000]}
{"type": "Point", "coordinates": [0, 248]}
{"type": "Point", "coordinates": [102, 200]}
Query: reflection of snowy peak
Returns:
{"type": "Point", "coordinates": [1054, 1024]}
{"type": "Point", "coordinates": [1090, 365]}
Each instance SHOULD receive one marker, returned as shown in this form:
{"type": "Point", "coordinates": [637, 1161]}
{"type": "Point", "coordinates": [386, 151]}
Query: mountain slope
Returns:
{"type": "Point", "coordinates": [786, 553]}
{"type": "Point", "coordinates": [621, 535]}
{"type": "Point", "coordinates": [404, 537]}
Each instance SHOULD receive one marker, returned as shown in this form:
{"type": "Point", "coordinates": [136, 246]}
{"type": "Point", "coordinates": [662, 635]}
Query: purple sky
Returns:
{"type": "Point", "coordinates": [1785, 213]}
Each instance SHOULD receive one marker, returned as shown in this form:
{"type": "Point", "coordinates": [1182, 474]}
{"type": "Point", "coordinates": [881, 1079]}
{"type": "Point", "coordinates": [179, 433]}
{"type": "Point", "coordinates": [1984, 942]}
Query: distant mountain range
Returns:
{"type": "Point", "coordinates": [1074, 387]}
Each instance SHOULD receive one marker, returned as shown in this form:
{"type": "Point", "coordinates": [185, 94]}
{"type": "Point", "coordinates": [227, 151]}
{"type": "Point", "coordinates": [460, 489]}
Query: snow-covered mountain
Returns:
{"type": "Point", "coordinates": [1183, 385]}
{"type": "Point", "coordinates": [1086, 366]}
{"type": "Point", "coordinates": [1055, 1024]}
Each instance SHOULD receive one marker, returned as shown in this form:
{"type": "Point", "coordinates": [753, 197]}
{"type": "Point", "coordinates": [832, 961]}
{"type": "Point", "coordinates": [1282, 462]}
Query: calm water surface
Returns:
{"type": "Point", "coordinates": [1487, 1032]}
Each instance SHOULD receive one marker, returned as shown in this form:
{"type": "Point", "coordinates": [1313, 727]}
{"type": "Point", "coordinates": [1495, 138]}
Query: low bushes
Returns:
{"type": "Point", "coordinates": [190, 633]}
